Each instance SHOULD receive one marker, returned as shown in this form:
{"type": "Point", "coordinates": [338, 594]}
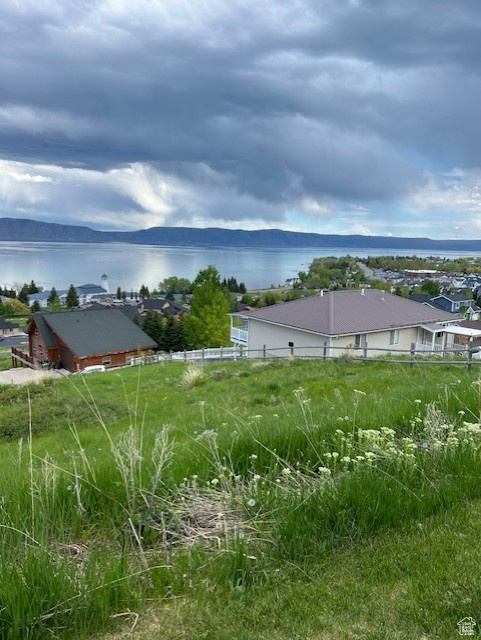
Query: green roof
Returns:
{"type": "Point", "coordinates": [39, 320]}
{"type": "Point", "coordinates": [89, 333]}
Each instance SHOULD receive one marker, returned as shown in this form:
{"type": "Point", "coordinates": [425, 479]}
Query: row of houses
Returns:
{"type": "Point", "coordinates": [86, 293]}
{"type": "Point", "coordinates": [457, 282]}
{"type": "Point", "coordinates": [331, 323]}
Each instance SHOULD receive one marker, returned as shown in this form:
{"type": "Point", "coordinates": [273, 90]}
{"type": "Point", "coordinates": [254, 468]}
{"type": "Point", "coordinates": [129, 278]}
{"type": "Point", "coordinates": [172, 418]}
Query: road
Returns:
{"type": "Point", "coordinates": [365, 269]}
{"type": "Point", "coordinates": [13, 341]}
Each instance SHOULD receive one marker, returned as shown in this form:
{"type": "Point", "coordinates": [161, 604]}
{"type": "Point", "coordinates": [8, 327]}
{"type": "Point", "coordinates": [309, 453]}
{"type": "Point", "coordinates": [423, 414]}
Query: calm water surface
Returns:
{"type": "Point", "coordinates": [129, 265]}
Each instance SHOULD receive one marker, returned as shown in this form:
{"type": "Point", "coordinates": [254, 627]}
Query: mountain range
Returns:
{"type": "Point", "coordinates": [24, 230]}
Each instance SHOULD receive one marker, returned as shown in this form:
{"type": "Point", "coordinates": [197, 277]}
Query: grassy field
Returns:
{"type": "Point", "coordinates": [5, 359]}
{"type": "Point", "coordinates": [306, 499]}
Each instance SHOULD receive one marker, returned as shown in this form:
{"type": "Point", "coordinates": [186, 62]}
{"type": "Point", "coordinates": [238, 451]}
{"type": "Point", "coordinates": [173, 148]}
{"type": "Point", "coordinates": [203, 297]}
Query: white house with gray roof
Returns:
{"type": "Point", "coordinates": [332, 323]}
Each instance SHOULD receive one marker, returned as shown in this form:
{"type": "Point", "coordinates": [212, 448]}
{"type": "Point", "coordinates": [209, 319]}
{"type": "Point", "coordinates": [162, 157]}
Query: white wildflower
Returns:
{"type": "Point", "coordinates": [324, 471]}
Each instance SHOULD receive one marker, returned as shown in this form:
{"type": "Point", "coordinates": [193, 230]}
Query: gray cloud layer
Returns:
{"type": "Point", "coordinates": [235, 111]}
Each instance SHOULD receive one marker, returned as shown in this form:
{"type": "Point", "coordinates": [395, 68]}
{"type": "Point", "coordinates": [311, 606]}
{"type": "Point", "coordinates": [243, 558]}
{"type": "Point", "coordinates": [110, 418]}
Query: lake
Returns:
{"type": "Point", "coordinates": [129, 265]}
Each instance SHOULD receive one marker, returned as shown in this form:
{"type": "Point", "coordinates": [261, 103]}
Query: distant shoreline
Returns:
{"type": "Point", "coordinates": [24, 230]}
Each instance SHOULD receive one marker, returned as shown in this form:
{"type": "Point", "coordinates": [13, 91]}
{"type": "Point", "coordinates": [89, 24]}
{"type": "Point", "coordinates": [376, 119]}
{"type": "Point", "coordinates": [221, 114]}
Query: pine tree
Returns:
{"type": "Point", "coordinates": [23, 294]}
{"type": "Point", "coordinates": [144, 292]}
{"type": "Point", "coordinates": [72, 297]}
{"type": "Point", "coordinates": [32, 288]}
{"type": "Point", "coordinates": [53, 296]}
{"type": "Point", "coordinates": [169, 342]}
{"type": "Point", "coordinates": [154, 327]}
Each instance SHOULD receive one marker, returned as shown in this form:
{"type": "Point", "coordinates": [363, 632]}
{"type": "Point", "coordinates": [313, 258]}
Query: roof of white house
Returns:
{"type": "Point", "coordinates": [349, 312]}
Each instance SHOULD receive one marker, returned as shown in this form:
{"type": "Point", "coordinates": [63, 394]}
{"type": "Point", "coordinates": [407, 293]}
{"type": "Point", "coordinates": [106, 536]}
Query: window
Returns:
{"type": "Point", "coordinates": [361, 341]}
{"type": "Point", "coordinates": [394, 336]}
{"type": "Point", "coordinates": [106, 361]}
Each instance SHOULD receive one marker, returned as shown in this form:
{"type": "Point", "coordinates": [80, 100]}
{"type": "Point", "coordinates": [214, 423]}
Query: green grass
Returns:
{"type": "Point", "coordinates": [235, 488]}
{"type": "Point", "coordinates": [5, 359]}
{"type": "Point", "coordinates": [416, 581]}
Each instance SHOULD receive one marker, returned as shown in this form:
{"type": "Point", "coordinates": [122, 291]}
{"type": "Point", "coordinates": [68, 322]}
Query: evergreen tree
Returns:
{"type": "Point", "coordinates": [23, 294]}
{"type": "Point", "coordinates": [72, 297]}
{"type": "Point", "coordinates": [169, 342]}
{"type": "Point", "coordinates": [207, 323]}
{"type": "Point", "coordinates": [154, 327]}
{"type": "Point", "coordinates": [119, 293]}
{"type": "Point", "coordinates": [53, 297]}
{"type": "Point", "coordinates": [181, 334]}
{"type": "Point", "coordinates": [35, 307]}
{"type": "Point", "coordinates": [144, 292]}
{"type": "Point", "coordinates": [32, 288]}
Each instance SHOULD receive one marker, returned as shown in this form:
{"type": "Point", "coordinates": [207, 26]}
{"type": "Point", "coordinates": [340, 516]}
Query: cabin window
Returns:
{"type": "Point", "coordinates": [106, 360]}
{"type": "Point", "coordinates": [394, 336]}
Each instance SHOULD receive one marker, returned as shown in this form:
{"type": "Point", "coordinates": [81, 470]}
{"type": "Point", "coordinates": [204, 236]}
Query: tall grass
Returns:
{"type": "Point", "coordinates": [228, 494]}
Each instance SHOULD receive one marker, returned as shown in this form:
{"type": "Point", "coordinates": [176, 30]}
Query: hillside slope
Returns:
{"type": "Point", "coordinates": [33, 231]}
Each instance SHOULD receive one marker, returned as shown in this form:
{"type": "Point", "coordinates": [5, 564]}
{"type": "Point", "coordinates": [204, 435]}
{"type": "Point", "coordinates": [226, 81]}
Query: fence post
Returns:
{"type": "Point", "coordinates": [292, 351]}
{"type": "Point", "coordinates": [411, 359]}
{"type": "Point", "coordinates": [469, 354]}
{"type": "Point", "coordinates": [240, 349]}
{"type": "Point", "coordinates": [324, 351]}
{"type": "Point", "coordinates": [364, 351]}
{"type": "Point", "coordinates": [170, 353]}
{"type": "Point", "coordinates": [203, 353]}
{"type": "Point", "coordinates": [264, 351]}
{"type": "Point", "coordinates": [221, 354]}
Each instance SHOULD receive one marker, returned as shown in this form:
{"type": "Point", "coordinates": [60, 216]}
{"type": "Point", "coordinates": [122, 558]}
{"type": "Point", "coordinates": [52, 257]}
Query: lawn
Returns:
{"type": "Point", "coordinates": [5, 359]}
{"type": "Point", "coordinates": [241, 487]}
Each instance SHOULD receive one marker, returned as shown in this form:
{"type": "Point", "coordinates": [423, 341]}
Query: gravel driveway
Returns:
{"type": "Point", "coordinates": [23, 375]}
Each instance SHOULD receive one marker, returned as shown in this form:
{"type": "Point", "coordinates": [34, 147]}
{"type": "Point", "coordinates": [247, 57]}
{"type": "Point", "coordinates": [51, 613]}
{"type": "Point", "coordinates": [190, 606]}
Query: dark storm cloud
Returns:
{"type": "Point", "coordinates": [346, 101]}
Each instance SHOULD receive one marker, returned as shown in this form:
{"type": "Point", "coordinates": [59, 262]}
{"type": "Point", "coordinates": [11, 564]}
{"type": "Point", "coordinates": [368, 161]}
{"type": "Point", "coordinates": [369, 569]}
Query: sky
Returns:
{"type": "Point", "coordinates": [331, 116]}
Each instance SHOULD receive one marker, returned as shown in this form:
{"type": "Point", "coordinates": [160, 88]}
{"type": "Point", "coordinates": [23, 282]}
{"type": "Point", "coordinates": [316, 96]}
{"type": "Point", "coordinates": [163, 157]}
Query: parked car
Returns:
{"type": "Point", "coordinates": [94, 368]}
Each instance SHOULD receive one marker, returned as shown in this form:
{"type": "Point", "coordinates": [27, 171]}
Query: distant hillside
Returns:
{"type": "Point", "coordinates": [33, 231]}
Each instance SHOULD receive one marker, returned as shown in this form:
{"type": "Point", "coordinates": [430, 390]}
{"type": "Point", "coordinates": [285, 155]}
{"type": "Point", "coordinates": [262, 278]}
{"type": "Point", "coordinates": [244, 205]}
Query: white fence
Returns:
{"type": "Point", "coordinates": [419, 353]}
{"type": "Point", "coordinates": [220, 353]}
